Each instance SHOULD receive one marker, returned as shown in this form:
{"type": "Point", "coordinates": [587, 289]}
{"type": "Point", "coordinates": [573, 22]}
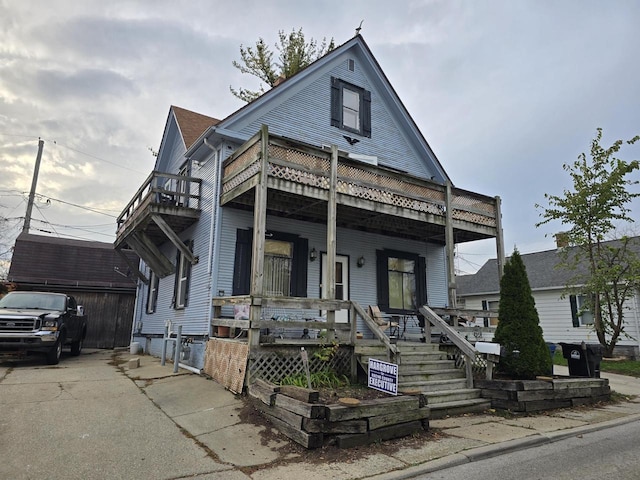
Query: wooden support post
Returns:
{"type": "Point", "coordinates": [468, 362]}
{"type": "Point", "coordinates": [354, 328]}
{"type": "Point", "coordinates": [499, 238]}
{"type": "Point", "coordinates": [330, 288]}
{"type": "Point", "coordinates": [259, 231]}
{"type": "Point", "coordinates": [450, 258]}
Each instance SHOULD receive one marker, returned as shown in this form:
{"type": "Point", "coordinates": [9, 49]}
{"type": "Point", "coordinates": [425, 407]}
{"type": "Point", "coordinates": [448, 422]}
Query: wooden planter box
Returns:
{"type": "Point", "coordinates": [536, 395]}
{"type": "Point", "coordinates": [298, 415]}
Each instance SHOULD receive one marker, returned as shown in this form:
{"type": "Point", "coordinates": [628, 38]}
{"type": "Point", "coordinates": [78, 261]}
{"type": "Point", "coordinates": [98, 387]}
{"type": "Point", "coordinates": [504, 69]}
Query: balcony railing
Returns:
{"type": "Point", "coordinates": [164, 194]}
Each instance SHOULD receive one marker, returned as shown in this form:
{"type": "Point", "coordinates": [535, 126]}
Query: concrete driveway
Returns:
{"type": "Point", "coordinates": [86, 419]}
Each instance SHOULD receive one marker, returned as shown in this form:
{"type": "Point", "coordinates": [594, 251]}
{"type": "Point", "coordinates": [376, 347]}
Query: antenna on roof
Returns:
{"type": "Point", "coordinates": [359, 28]}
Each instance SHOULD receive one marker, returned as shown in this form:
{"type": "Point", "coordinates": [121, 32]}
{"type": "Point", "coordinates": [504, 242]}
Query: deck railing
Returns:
{"type": "Point", "coordinates": [310, 167]}
{"type": "Point", "coordinates": [163, 190]}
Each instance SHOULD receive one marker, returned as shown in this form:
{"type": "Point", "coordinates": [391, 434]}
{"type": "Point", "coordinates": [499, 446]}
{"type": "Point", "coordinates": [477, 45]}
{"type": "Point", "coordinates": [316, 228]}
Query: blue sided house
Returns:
{"type": "Point", "coordinates": [316, 215]}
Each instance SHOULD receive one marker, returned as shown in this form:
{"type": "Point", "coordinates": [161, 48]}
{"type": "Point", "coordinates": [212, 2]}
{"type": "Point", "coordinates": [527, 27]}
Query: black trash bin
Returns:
{"type": "Point", "coordinates": [583, 359]}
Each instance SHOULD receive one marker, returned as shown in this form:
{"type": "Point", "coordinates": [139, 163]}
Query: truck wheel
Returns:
{"type": "Point", "coordinates": [53, 355]}
{"type": "Point", "coordinates": [76, 347]}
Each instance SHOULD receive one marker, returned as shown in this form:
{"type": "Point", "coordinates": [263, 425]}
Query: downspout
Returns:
{"type": "Point", "coordinates": [135, 311]}
{"type": "Point", "coordinates": [214, 250]}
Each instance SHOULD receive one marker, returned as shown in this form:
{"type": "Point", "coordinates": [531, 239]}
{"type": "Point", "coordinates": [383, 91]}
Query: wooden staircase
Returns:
{"type": "Point", "coordinates": [423, 367]}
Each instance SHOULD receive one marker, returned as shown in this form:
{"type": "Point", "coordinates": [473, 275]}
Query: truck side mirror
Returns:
{"type": "Point", "coordinates": [80, 311]}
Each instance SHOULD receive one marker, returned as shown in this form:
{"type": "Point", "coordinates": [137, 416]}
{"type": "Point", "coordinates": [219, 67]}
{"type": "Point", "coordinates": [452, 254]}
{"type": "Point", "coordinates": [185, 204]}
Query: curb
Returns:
{"type": "Point", "coordinates": [492, 450]}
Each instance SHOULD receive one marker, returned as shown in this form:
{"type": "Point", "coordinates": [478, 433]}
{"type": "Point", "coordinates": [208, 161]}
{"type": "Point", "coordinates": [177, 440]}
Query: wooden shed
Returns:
{"type": "Point", "coordinates": [93, 272]}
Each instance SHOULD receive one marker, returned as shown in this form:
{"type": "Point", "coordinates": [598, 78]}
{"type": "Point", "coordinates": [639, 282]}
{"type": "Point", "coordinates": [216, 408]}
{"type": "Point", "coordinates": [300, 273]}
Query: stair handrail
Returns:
{"type": "Point", "coordinates": [375, 329]}
{"type": "Point", "coordinates": [456, 338]}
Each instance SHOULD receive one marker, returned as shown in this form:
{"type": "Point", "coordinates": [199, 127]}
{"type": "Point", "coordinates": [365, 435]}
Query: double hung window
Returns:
{"type": "Point", "coordinates": [350, 107]}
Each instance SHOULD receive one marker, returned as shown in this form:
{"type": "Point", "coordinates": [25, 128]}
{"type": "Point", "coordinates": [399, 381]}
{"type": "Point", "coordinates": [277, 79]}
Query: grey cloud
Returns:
{"type": "Point", "coordinates": [82, 84]}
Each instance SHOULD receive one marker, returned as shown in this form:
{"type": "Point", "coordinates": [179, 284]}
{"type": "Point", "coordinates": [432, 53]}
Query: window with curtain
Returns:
{"type": "Point", "coordinates": [278, 256]}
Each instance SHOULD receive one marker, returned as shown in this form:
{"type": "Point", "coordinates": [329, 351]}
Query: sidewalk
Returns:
{"type": "Point", "coordinates": [212, 416]}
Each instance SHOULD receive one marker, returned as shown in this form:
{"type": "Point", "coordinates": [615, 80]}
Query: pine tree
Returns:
{"type": "Point", "coordinates": [526, 354]}
{"type": "Point", "coordinates": [296, 53]}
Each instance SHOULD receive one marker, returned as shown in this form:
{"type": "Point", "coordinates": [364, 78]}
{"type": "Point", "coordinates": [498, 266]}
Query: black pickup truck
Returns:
{"type": "Point", "coordinates": [41, 322]}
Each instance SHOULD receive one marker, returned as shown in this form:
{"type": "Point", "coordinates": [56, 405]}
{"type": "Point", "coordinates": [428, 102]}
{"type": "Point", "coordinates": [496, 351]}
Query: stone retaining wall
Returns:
{"type": "Point", "coordinates": [297, 413]}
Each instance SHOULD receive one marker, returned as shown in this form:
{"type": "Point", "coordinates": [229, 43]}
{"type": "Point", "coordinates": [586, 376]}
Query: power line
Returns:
{"type": "Point", "coordinates": [79, 206]}
{"type": "Point", "coordinates": [55, 142]}
{"type": "Point", "coordinates": [72, 227]}
{"type": "Point", "coordinates": [95, 156]}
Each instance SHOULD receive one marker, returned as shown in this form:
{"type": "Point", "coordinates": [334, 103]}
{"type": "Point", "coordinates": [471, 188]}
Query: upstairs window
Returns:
{"type": "Point", "coordinates": [350, 107]}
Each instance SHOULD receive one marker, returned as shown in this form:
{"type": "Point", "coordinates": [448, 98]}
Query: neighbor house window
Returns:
{"type": "Point", "coordinates": [401, 279]}
{"type": "Point", "coordinates": [493, 305]}
{"type": "Point", "coordinates": [152, 294]}
{"type": "Point", "coordinates": [581, 313]}
{"type": "Point", "coordinates": [183, 274]}
{"type": "Point", "coordinates": [350, 107]}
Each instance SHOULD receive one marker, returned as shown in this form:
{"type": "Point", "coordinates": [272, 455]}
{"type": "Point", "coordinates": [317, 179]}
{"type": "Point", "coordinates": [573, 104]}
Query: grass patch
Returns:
{"type": "Point", "coordinates": [621, 367]}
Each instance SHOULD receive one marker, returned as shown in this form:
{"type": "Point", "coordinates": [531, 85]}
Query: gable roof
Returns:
{"type": "Point", "coordinates": [543, 271]}
{"type": "Point", "coordinates": [226, 126]}
{"type": "Point", "coordinates": [50, 261]}
{"type": "Point", "coordinates": [192, 124]}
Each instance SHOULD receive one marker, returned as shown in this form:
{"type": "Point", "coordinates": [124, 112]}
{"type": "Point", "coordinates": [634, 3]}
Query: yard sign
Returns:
{"type": "Point", "coordinates": [383, 376]}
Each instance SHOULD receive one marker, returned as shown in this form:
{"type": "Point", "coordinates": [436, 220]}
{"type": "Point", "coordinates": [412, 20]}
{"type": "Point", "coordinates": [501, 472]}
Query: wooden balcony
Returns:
{"type": "Point", "coordinates": [163, 207]}
{"type": "Point", "coordinates": [369, 198]}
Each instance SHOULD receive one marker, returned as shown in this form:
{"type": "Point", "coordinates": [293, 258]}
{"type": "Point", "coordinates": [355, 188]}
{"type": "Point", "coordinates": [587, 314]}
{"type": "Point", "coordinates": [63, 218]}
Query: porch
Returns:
{"type": "Point", "coordinates": [441, 370]}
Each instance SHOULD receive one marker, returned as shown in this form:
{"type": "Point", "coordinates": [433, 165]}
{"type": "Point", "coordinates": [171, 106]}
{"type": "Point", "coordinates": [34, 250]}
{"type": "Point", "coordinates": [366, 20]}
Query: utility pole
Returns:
{"type": "Point", "coordinates": [32, 193]}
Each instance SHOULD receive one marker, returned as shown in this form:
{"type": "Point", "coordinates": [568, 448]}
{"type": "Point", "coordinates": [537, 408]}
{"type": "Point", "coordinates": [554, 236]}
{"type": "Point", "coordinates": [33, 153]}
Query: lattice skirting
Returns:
{"type": "Point", "coordinates": [225, 361]}
{"type": "Point", "coordinates": [479, 366]}
{"type": "Point", "coordinates": [275, 363]}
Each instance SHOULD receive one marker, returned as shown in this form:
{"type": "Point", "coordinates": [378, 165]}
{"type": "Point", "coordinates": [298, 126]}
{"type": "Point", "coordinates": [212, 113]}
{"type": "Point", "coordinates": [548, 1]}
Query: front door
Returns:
{"type": "Point", "coordinates": [342, 283]}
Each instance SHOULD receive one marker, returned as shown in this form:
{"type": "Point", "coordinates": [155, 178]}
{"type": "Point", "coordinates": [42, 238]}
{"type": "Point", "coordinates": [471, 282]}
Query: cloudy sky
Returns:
{"type": "Point", "coordinates": [505, 92]}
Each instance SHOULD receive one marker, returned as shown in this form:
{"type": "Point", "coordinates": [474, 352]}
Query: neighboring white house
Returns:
{"type": "Point", "coordinates": [559, 311]}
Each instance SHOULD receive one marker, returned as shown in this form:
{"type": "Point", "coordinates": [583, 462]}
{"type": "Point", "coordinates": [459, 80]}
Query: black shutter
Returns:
{"type": "Point", "coordinates": [574, 310]}
{"type": "Point", "coordinates": [421, 282]}
{"type": "Point", "coordinates": [382, 280]}
{"type": "Point", "coordinates": [242, 263]}
{"type": "Point", "coordinates": [485, 306]}
{"type": "Point", "coordinates": [299, 270]}
{"type": "Point", "coordinates": [336, 103]}
{"type": "Point", "coordinates": [366, 113]}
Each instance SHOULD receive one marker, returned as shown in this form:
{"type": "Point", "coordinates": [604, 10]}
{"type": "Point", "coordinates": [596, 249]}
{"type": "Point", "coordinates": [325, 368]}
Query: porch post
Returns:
{"type": "Point", "coordinates": [499, 238]}
{"type": "Point", "coordinates": [449, 245]}
{"type": "Point", "coordinates": [259, 231]}
{"type": "Point", "coordinates": [330, 289]}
